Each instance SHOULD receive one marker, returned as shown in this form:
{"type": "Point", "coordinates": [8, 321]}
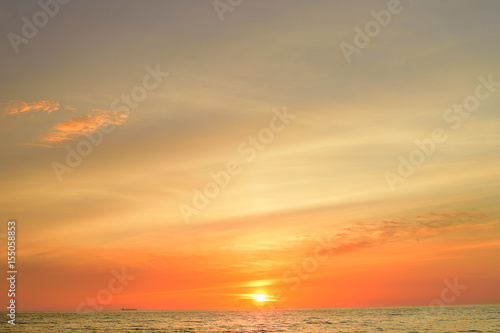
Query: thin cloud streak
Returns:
{"type": "Point", "coordinates": [17, 107]}
{"type": "Point", "coordinates": [83, 125]}
{"type": "Point", "coordinates": [366, 235]}
{"type": "Point", "coordinates": [68, 130]}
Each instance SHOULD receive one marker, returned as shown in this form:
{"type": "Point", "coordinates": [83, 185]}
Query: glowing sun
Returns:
{"type": "Point", "coordinates": [260, 298]}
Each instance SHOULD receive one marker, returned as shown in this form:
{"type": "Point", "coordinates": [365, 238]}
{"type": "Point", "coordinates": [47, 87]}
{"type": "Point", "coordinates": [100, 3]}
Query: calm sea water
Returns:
{"type": "Point", "coordinates": [395, 319]}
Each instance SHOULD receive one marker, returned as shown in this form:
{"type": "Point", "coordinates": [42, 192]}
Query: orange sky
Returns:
{"type": "Point", "coordinates": [289, 145]}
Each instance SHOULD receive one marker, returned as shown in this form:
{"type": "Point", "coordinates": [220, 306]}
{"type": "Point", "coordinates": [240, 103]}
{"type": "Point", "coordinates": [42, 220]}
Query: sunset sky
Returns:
{"type": "Point", "coordinates": [311, 206]}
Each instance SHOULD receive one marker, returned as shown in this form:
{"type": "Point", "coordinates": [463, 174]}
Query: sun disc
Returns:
{"type": "Point", "coordinates": [259, 297]}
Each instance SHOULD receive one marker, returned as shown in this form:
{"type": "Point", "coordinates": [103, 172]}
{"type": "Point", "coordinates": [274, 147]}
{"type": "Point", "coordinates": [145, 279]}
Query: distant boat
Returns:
{"type": "Point", "coordinates": [123, 309]}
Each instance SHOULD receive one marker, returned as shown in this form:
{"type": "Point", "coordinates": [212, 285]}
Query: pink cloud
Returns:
{"type": "Point", "coordinates": [81, 126]}
{"type": "Point", "coordinates": [16, 107]}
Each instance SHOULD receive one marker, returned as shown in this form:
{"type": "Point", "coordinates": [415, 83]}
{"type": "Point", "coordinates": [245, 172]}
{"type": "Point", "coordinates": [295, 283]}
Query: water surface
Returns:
{"type": "Point", "coordinates": [391, 319]}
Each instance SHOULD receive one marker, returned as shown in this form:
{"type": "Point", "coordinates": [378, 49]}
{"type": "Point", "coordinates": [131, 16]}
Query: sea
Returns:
{"type": "Point", "coordinates": [458, 318]}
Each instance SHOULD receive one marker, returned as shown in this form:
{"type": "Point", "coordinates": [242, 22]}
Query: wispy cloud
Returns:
{"type": "Point", "coordinates": [82, 125]}
{"type": "Point", "coordinates": [67, 130]}
{"type": "Point", "coordinates": [16, 107]}
{"type": "Point", "coordinates": [415, 228]}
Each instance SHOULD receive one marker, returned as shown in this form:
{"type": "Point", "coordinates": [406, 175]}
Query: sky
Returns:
{"type": "Point", "coordinates": [194, 154]}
